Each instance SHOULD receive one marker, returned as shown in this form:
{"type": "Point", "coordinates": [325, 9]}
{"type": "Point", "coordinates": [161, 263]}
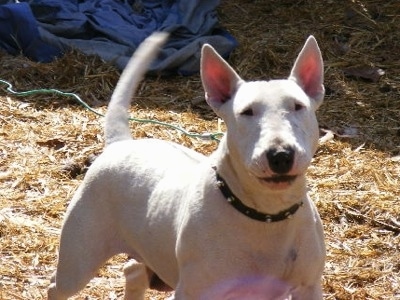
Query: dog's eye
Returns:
{"type": "Point", "coordinates": [247, 112]}
{"type": "Point", "coordinates": [298, 106]}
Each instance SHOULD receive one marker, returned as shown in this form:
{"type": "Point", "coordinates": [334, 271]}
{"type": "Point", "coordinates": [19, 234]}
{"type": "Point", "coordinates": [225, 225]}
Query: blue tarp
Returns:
{"type": "Point", "coordinates": [112, 29]}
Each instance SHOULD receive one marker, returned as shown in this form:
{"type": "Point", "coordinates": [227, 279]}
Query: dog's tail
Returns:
{"type": "Point", "coordinates": [116, 120]}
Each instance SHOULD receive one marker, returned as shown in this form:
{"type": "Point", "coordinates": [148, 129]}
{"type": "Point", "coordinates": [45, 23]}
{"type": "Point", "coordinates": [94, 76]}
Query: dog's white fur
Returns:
{"type": "Point", "coordinates": [160, 203]}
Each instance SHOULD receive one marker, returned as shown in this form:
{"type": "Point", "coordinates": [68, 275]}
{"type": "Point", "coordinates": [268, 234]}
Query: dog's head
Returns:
{"type": "Point", "coordinates": [272, 131]}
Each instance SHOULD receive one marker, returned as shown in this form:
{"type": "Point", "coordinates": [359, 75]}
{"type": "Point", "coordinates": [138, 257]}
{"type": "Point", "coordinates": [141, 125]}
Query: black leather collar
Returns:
{"type": "Point", "coordinates": [251, 212]}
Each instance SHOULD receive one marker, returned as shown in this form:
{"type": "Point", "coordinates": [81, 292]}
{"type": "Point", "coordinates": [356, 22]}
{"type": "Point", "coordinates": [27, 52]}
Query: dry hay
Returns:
{"type": "Point", "coordinates": [47, 141]}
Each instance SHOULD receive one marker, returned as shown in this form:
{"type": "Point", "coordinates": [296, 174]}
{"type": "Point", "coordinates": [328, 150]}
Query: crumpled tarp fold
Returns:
{"type": "Point", "coordinates": [112, 29]}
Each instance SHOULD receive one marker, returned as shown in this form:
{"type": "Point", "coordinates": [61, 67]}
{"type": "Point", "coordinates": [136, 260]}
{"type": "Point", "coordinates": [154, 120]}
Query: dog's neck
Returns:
{"type": "Point", "coordinates": [248, 188]}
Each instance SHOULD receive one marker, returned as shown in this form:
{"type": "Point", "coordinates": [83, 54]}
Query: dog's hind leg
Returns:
{"type": "Point", "coordinates": [137, 280]}
{"type": "Point", "coordinates": [87, 242]}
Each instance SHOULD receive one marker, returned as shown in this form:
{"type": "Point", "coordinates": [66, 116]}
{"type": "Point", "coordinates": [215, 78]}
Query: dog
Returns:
{"type": "Point", "coordinates": [193, 223]}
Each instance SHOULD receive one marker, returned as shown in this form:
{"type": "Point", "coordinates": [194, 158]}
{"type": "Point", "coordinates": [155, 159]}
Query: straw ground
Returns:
{"type": "Point", "coordinates": [48, 141]}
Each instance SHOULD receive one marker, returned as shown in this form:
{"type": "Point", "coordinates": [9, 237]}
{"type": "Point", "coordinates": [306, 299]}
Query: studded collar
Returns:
{"type": "Point", "coordinates": [251, 212]}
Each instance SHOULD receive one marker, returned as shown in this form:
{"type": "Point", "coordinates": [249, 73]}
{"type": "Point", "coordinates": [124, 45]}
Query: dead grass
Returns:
{"type": "Point", "coordinates": [47, 141]}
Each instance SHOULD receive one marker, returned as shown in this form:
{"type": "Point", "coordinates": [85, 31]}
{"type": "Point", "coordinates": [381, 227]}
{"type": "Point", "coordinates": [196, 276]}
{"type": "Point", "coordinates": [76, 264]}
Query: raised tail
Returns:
{"type": "Point", "coordinates": [116, 120]}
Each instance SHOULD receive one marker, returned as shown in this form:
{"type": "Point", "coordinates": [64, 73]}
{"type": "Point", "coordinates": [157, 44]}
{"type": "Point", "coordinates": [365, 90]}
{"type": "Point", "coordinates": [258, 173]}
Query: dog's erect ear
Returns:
{"type": "Point", "coordinates": [308, 71]}
{"type": "Point", "coordinates": [220, 81]}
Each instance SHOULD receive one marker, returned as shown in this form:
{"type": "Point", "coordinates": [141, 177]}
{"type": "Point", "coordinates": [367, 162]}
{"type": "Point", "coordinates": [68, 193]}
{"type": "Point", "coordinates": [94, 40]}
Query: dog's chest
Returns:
{"type": "Point", "coordinates": [248, 247]}
{"type": "Point", "coordinates": [280, 253]}
{"type": "Point", "coordinates": [293, 252]}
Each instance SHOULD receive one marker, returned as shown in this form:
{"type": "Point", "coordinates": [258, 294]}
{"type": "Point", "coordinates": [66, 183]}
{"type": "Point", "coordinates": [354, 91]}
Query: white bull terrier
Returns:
{"type": "Point", "coordinates": [207, 227]}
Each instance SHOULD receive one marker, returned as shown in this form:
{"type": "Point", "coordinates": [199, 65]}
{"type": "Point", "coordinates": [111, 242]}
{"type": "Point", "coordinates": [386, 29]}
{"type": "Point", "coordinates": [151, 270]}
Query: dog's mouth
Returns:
{"type": "Point", "coordinates": [280, 179]}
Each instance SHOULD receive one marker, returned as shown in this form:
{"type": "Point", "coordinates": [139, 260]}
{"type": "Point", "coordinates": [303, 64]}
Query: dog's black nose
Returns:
{"type": "Point", "coordinates": [280, 160]}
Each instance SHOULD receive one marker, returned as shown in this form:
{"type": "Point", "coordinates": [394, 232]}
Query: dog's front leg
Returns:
{"type": "Point", "coordinates": [311, 292]}
{"type": "Point", "coordinates": [137, 280]}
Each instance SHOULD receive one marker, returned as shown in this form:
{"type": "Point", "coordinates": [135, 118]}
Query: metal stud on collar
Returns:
{"type": "Point", "coordinates": [251, 212]}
